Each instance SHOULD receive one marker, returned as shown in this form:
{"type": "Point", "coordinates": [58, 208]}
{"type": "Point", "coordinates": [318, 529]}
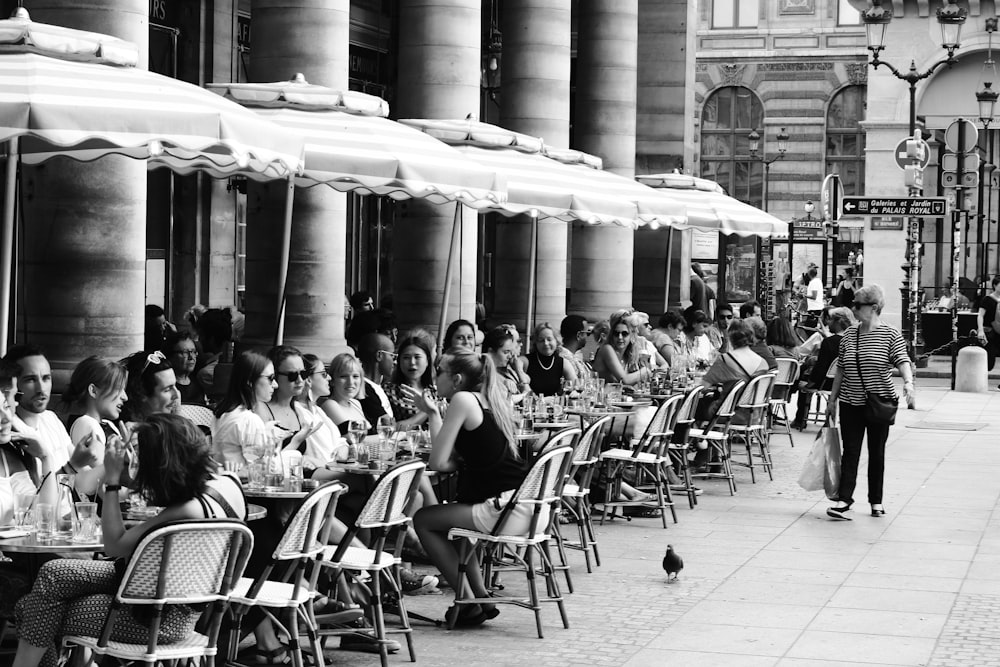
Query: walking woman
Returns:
{"type": "Point", "coordinates": [868, 352]}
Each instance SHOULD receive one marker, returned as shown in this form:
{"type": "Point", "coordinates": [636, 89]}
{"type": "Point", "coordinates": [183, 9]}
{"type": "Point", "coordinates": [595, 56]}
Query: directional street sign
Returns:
{"type": "Point", "coordinates": [921, 207]}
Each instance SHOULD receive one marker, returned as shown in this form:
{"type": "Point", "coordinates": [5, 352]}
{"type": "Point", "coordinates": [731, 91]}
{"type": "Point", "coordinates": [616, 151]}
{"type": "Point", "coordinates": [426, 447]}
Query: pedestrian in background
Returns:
{"type": "Point", "coordinates": [868, 352]}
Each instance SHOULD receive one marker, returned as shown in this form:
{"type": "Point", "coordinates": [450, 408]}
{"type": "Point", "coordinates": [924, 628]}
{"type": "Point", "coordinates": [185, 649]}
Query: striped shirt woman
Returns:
{"type": "Point", "coordinates": [875, 353]}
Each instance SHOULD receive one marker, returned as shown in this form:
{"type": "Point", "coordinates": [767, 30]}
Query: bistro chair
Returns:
{"type": "Point", "coordinates": [190, 562]}
{"type": "Point", "coordinates": [786, 378]}
{"type": "Point", "coordinates": [750, 424]}
{"type": "Point", "coordinates": [715, 436]}
{"type": "Point", "coordinates": [386, 515]}
{"type": "Point", "coordinates": [200, 415]}
{"type": "Point", "coordinates": [566, 437]}
{"type": "Point", "coordinates": [288, 602]}
{"type": "Point", "coordinates": [678, 446]}
{"type": "Point", "coordinates": [541, 491]}
{"type": "Point", "coordinates": [576, 490]}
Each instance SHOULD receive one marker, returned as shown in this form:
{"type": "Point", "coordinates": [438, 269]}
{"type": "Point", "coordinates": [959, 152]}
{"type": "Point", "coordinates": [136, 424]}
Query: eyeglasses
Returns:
{"type": "Point", "coordinates": [294, 376]}
{"type": "Point", "coordinates": [153, 358]}
{"type": "Point", "coordinates": [619, 334]}
{"type": "Point", "coordinates": [187, 353]}
{"type": "Point", "coordinates": [387, 353]}
{"type": "Point", "coordinates": [861, 304]}
{"type": "Point", "coordinates": [323, 374]}
{"type": "Point", "coordinates": [269, 378]}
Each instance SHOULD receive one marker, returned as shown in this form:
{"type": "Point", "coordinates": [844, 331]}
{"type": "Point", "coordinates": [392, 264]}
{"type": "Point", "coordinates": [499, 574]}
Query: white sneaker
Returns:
{"type": "Point", "coordinates": [417, 584]}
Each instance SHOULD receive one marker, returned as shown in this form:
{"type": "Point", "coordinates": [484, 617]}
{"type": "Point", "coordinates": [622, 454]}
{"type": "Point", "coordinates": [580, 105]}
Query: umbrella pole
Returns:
{"type": "Point", "coordinates": [286, 251]}
{"type": "Point", "coordinates": [7, 242]}
{"type": "Point", "coordinates": [448, 274]}
{"type": "Point", "coordinates": [529, 320]}
{"type": "Point", "coordinates": [669, 262]}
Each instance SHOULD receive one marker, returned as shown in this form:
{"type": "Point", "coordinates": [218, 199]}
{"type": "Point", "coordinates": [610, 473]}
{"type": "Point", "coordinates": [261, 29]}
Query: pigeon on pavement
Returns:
{"type": "Point", "coordinates": [672, 564]}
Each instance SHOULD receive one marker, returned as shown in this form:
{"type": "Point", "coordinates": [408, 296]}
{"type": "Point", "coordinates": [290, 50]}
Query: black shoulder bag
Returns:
{"type": "Point", "coordinates": [878, 409]}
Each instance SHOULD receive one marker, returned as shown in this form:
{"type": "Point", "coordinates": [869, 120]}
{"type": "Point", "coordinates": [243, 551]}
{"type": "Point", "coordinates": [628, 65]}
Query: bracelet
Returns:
{"type": "Point", "coordinates": [112, 487]}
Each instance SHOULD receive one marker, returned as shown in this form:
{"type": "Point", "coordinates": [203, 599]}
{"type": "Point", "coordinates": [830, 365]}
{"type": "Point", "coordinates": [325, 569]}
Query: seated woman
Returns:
{"type": "Point", "coordinates": [546, 368]}
{"type": "Point", "coordinates": [413, 369]}
{"type": "Point", "coordinates": [648, 354]}
{"type": "Point", "coordinates": [672, 342]}
{"type": "Point", "coordinates": [292, 422]}
{"type": "Point", "coordinates": [94, 399]}
{"type": "Point", "coordinates": [460, 333]}
{"type": "Point", "coordinates": [501, 344]}
{"type": "Point", "coordinates": [182, 353]}
{"type": "Point", "coordinates": [740, 362]}
{"type": "Point", "coordinates": [617, 360]}
{"type": "Point", "coordinates": [781, 338]}
{"type": "Point", "coordinates": [759, 345]}
{"type": "Point", "coordinates": [325, 444]}
{"type": "Point", "coordinates": [476, 438]}
{"type": "Point", "coordinates": [698, 343]}
{"type": "Point", "coordinates": [237, 424]}
{"type": "Point", "coordinates": [820, 376]}
{"type": "Point", "coordinates": [71, 596]}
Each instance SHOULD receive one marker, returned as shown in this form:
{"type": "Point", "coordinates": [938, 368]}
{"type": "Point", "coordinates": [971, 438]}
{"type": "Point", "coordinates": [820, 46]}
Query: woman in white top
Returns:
{"type": "Point", "coordinates": [325, 444]}
{"type": "Point", "coordinates": [237, 425]}
{"type": "Point", "coordinates": [95, 396]}
{"type": "Point", "coordinates": [292, 422]}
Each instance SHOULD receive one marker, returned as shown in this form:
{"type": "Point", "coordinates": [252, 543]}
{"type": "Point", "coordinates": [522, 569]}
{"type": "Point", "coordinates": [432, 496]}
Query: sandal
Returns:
{"type": "Point", "coordinates": [275, 656]}
{"type": "Point", "coordinates": [469, 617]}
{"type": "Point", "coordinates": [642, 512]}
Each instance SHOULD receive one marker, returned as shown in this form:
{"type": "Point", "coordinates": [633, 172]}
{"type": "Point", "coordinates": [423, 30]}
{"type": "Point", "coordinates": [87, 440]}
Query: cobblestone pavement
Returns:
{"type": "Point", "coordinates": [769, 580]}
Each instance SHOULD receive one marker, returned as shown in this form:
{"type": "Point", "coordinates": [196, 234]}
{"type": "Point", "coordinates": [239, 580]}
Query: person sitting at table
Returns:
{"type": "Point", "coordinates": [545, 368]}
{"type": "Point", "coordinates": [325, 444]}
{"type": "Point", "coordinates": [718, 333]}
{"type": "Point", "coordinates": [377, 357]}
{"type": "Point", "coordinates": [617, 360]}
{"type": "Point", "coordinates": [648, 354]}
{"type": "Point", "coordinates": [342, 406]}
{"type": "Point", "coordinates": [182, 353]}
{"type": "Point", "coordinates": [460, 333]}
{"type": "Point", "coordinates": [215, 332]}
{"type": "Point", "coordinates": [759, 344]}
{"type": "Point", "coordinates": [740, 362]}
{"type": "Point", "coordinates": [237, 424]}
{"type": "Point", "coordinates": [696, 334]}
{"type": "Point", "coordinates": [781, 338]}
{"type": "Point", "coordinates": [93, 400]}
{"type": "Point", "coordinates": [71, 596]}
{"type": "Point", "coordinates": [476, 438]}
{"type": "Point", "coordinates": [292, 422]}
{"type": "Point", "coordinates": [151, 387]}
{"type": "Point", "coordinates": [413, 369]}
{"type": "Point", "coordinates": [671, 326]}
{"type": "Point", "coordinates": [499, 345]}
{"type": "Point", "coordinates": [574, 331]}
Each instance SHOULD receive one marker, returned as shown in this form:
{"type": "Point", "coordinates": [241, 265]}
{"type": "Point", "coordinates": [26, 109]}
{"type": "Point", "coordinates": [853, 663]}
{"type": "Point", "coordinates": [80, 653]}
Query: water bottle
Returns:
{"type": "Point", "coordinates": [274, 469]}
{"type": "Point", "coordinates": [64, 509]}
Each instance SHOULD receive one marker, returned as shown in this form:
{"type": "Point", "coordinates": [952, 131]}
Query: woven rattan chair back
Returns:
{"type": "Point", "coordinates": [186, 562]}
{"type": "Point", "coordinates": [393, 493]}
{"type": "Point", "coordinates": [785, 378]}
{"type": "Point", "coordinates": [755, 399]}
{"type": "Point", "coordinates": [301, 538]}
{"type": "Point", "coordinates": [685, 413]}
{"type": "Point", "coordinates": [199, 415]}
{"type": "Point", "coordinates": [588, 447]}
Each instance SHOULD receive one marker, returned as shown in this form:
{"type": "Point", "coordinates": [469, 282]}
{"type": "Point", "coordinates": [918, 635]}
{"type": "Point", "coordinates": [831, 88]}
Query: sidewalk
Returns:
{"type": "Point", "coordinates": [769, 580]}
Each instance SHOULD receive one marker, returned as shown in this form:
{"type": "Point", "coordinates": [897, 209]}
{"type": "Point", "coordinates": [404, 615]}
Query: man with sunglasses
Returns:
{"type": "Point", "coordinates": [32, 418]}
{"type": "Point", "coordinates": [375, 352]}
{"type": "Point", "coordinates": [575, 331]}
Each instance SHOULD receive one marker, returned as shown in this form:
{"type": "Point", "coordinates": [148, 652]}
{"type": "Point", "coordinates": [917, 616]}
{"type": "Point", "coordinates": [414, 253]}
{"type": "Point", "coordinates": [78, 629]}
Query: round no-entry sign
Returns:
{"type": "Point", "coordinates": [969, 141]}
{"type": "Point", "coordinates": [902, 161]}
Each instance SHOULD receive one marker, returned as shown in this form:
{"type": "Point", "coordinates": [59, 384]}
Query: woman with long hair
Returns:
{"type": "Point", "coordinates": [413, 369]}
{"type": "Point", "coordinates": [867, 354]}
{"type": "Point", "coordinates": [237, 422]}
{"type": "Point", "coordinates": [476, 438]}
{"type": "Point", "coordinates": [292, 421]}
{"type": "Point", "coordinates": [499, 345]}
{"type": "Point", "coordinates": [347, 387]}
{"type": "Point", "coordinates": [460, 333]}
{"type": "Point", "coordinates": [71, 596]}
{"type": "Point", "coordinates": [618, 359]}
{"type": "Point", "coordinates": [325, 444]}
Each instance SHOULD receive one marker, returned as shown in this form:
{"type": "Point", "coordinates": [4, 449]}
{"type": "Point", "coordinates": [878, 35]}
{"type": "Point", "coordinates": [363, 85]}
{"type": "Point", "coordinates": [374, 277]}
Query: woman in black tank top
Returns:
{"type": "Point", "coordinates": [476, 438]}
{"type": "Point", "coordinates": [545, 366]}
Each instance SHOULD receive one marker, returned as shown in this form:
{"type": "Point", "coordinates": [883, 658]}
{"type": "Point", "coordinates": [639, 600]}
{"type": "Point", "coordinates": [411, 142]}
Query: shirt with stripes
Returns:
{"type": "Point", "coordinates": [876, 352]}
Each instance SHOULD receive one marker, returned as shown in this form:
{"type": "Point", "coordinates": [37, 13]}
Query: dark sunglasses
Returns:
{"type": "Point", "coordinates": [619, 334]}
{"type": "Point", "coordinates": [294, 376]}
{"type": "Point", "coordinates": [323, 374]}
{"type": "Point", "coordinates": [861, 304]}
{"type": "Point", "coordinates": [269, 378]}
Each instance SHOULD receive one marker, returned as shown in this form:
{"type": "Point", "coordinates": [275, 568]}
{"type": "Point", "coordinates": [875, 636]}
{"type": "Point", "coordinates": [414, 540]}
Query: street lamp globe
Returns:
{"type": "Point", "coordinates": [951, 18]}
{"type": "Point", "coordinates": [876, 19]}
{"type": "Point", "coordinates": [987, 99]}
{"type": "Point", "coordinates": [809, 207]}
{"type": "Point", "coordinates": [753, 140]}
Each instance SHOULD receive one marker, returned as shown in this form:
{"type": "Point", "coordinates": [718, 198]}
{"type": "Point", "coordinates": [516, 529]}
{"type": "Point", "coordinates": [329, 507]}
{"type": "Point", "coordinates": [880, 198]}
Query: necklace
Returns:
{"type": "Point", "coordinates": [552, 363]}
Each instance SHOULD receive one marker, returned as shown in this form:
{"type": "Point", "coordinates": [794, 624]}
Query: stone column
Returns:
{"type": "Point", "coordinates": [535, 101]}
{"type": "Point", "coordinates": [438, 78]}
{"type": "Point", "coordinates": [607, 36]}
{"type": "Point", "coordinates": [84, 250]}
{"type": "Point", "coordinates": [311, 37]}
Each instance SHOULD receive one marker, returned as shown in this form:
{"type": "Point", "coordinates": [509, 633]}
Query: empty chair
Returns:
{"type": "Point", "coordinates": [386, 516]}
{"type": "Point", "coordinates": [715, 436]}
{"type": "Point", "coordinates": [576, 491]}
{"type": "Point", "coordinates": [540, 490]}
{"type": "Point", "coordinates": [750, 424]}
{"type": "Point", "coordinates": [785, 380]}
{"type": "Point", "coordinates": [648, 460]}
{"type": "Point", "coordinates": [678, 445]}
{"type": "Point", "coordinates": [181, 562]}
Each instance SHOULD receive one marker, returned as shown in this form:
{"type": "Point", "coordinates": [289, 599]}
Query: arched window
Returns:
{"type": "Point", "coordinates": [845, 140]}
{"type": "Point", "coordinates": [729, 115]}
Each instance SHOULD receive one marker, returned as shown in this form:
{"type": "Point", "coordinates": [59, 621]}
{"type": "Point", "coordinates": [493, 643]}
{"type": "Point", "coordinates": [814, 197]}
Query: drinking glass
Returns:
{"type": "Point", "coordinates": [386, 427]}
{"type": "Point", "coordinates": [295, 476]}
{"type": "Point", "coordinates": [45, 521]}
{"type": "Point", "coordinates": [253, 452]}
{"type": "Point", "coordinates": [22, 511]}
{"type": "Point", "coordinates": [85, 522]}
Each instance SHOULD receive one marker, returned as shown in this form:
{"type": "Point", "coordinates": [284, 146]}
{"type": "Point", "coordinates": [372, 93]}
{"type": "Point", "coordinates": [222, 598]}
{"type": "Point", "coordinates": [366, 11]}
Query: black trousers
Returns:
{"type": "Point", "coordinates": [853, 427]}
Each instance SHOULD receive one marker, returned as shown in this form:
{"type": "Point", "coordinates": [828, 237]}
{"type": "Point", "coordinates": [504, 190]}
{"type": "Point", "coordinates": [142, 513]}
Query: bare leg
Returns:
{"type": "Point", "coordinates": [28, 655]}
{"type": "Point", "coordinates": [433, 524]}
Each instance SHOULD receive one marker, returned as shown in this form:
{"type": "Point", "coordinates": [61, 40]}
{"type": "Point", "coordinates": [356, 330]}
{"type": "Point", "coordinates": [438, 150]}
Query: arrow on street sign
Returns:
{"type": "Point", "coordinates": [921, 207]}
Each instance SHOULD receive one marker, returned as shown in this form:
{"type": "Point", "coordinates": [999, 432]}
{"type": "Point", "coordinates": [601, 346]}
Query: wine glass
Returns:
{"type": "Point", "coordinates": [386, 426]}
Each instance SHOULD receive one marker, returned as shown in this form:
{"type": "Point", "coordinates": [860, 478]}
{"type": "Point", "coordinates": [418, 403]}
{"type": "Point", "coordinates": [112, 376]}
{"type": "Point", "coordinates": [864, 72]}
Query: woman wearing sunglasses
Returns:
{"type": "Point", "coordinates": [237, 422]}
{"type": "Point", "coordinates": [618, 359]}
{"type": "Point", "coordinates": [868, 352]}
{"type": "Point", "coordinates": [293, 422]}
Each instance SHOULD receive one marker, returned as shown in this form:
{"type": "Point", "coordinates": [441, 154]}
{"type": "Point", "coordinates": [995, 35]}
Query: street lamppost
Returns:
{"type": "Point", "coordinates": [754, 141]}
{"type": "Point", "coordinates": [986, 98]}
{"type": "Point", "coordinates": [876, 18]}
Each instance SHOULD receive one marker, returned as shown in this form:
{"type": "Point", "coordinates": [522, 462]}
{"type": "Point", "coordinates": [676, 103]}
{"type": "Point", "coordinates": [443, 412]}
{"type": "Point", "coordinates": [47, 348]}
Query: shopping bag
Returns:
{"type": "Point", "coordinates": [830, 436]}
{"type": "Point", "coordinates": [814, 471]}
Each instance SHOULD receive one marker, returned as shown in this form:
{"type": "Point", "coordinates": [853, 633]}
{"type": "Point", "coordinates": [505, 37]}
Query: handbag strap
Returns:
{"type": "Point", "coordinates": [730, 355]}
{"type": "Point", "coordinates": [857, 359]}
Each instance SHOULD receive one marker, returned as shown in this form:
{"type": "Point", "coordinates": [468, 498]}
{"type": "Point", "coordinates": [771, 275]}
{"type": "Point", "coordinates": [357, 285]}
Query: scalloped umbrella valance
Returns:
{"type": "Point", "coordinates": [72, 93]}
{"type": "Point", "coordinates": [350, 145]}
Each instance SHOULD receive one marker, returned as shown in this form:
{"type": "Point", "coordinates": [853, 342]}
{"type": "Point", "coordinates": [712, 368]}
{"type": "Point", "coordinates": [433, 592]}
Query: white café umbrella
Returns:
{"type": "Point", "coordinates": [78, 94]}
{"type": "Point", "coordinates": [351, 146]}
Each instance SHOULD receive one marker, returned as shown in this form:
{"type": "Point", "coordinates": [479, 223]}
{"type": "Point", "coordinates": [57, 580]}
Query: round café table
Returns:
{"type": "Point", "coordinates": [35, 551]}
{"type": "Point", "coordinates": [595, 413]}
{"type": "Point", "coordinates": [132, 516]}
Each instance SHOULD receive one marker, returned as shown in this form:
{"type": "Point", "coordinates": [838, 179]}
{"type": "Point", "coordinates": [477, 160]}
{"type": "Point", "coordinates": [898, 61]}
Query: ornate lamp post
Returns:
{"type": "Point", "coordinates": [986, 98]}
{"type": "Point", "coordinates": [876, 18]}
{"type": "Point", "coordinates": [754, 141]}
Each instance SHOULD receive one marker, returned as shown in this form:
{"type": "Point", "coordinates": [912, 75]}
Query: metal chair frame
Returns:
{"type": "Point", "coordinates": [679, 444]}
{"type": "Point", "coordinates": [786, 378]}
{"type": "Point", "coordinates": [755, 406]}
{"type": "Point", "coordinates": [576, 491]}
{"type": "Point", "coordinates": [716, 436]}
